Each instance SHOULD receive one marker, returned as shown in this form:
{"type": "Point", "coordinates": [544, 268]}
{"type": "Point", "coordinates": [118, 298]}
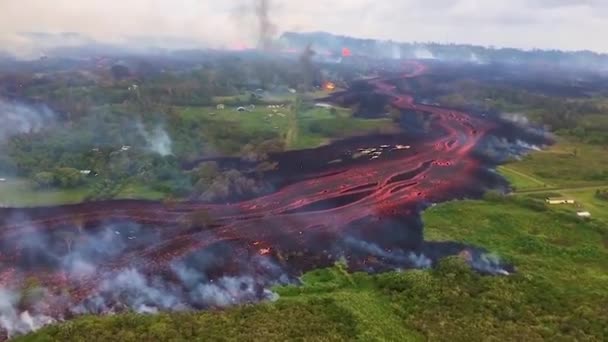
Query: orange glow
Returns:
{"type": "Point", "coordinates": [346, 52]}
{"type": "Point", "coordinates": [265, 251]}
{"type": "Point", "coordinates": [329, 86]}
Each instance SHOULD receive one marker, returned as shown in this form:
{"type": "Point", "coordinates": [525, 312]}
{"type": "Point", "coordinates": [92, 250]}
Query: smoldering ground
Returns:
{"type": "Point", "coordinates": [41, 271]}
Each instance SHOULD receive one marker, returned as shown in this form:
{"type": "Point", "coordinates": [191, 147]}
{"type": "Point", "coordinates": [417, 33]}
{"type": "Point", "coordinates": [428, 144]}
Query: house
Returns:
{"type": "Point", "coordinates": [583, 214]}
{"type": "Point", "coordinates": [220, 107]}
{"type": "Point", "coordinates": [559, 200]}
{"type": "Point", "coordinates": [85, 172]}
{"type": "Point", "coordinates": [323, 105]}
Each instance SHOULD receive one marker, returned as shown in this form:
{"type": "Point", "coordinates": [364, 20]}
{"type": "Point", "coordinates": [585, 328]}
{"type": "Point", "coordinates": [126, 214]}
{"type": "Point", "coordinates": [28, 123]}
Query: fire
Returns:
{"type": "Point", "coordinates": [329, 86]}
{"type": "Point", "coordinates": [265, 251]}
{"type": "Point", "coordinates": [346, 52]}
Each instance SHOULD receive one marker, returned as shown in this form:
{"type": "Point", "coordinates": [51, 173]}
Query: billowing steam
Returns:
{"type": "Point", "coordinates": [423, 53]}
{"type": "Point", "coordinates": [17, 118]}
{"type": "Point", "coordinates": [79, 259]}
{"type": "Point", "coordinates": [398, 258]}
{"type": "Point", "coordinates": [15, 322]}
{"type": "Point", "coordinates": [157, 140]}
{"type": "Point", "coordinates": [266, 28]}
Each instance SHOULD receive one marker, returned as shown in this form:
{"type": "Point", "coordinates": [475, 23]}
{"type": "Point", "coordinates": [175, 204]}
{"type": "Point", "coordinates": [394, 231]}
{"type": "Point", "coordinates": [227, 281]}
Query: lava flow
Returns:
{"type": "Point", "coordinates": [148, 256]}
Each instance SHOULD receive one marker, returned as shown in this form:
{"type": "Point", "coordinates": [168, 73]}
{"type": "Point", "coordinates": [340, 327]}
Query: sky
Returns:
{"type": "Point", "coordinates": [29, 26]}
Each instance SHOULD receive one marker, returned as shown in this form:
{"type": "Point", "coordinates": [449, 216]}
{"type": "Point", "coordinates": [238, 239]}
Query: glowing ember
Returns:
{"type": "Point", "coordinates": [329, 86]}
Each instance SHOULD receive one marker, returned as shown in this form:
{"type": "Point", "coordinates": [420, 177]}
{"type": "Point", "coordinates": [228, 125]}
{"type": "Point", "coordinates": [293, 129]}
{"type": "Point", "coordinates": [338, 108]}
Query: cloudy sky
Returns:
{"type": "Point", "coordinates": [562, 24]}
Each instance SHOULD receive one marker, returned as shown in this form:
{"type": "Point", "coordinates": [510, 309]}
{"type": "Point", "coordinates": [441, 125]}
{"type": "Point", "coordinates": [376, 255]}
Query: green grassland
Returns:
{"type": "Point", "coordinates": [17, 192]}
{"type": "Point", "coordinates": [563, 165]}
{"type": "Point", "coordinates": [21, 193]}
{"type": "Point", "coordinates": [558, 292]}
{"type": "Point", "coordinates": [307, 129]}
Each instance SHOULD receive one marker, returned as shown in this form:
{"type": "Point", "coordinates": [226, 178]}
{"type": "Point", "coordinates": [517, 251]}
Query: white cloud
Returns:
{"type": "Point", "coordinates": [518, 23]}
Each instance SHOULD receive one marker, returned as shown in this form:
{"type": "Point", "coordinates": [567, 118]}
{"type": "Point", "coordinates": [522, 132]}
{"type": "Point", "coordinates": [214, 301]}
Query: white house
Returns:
{"type": "Point", "coordinates": [554, 200]}
{"type": "Point", "coordinates": [584, 214]}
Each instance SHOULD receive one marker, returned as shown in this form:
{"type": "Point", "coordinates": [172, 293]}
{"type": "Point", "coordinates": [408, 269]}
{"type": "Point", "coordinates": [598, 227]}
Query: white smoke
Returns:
{"type": "Point", "coordinates": [423, 53]}
{"type": "Point", "coordinates": [15, 322]}
{"type": "Point", "coordinates": [517, 118]}
{"type": "Point", "coordinates": [401, 258]}
{"type": "Point", "coordinates": [17, 118]}
{"type": "Point", "coordinates": [157, 140]}
{"type": "Point", "coordinates": [79, 258]}
{"type": "Point", "coordinates": [488, 263]}
{"type": "Point", "coordinates": [396, 51]}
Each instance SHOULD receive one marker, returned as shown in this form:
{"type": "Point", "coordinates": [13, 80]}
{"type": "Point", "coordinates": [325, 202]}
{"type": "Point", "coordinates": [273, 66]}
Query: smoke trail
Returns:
{"type": "Point", "coordinates": [266, 28]}
{"type": "Point", "coordinates": [398, 257]}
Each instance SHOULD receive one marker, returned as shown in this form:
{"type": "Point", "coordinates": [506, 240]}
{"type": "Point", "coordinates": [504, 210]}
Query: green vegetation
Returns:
{"type": "Point", "coordinates": [520, 181]}
{"type": "Point", "coordinates": [22, 193]}
{"type": "Point", "coordinates": [18, 192]}
{"type": "Point", "coordinates": [558, 292]}
{"type": "Point", "coordinates": [317, 126]}
{"type": "Point", "coordinates": [566, 164]}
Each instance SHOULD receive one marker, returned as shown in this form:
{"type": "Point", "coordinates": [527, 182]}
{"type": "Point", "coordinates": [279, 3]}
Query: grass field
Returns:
{"type": "Point", "coordinates": [308, 129]}
{"type": "Point", "coordinates": [565, 164]}
{"type": "Point", "coordinates": [22, 193]}
{"type": "Point", "coordinates": [566, 169]}
{"type": "Point", "coordinates": [521, 181]}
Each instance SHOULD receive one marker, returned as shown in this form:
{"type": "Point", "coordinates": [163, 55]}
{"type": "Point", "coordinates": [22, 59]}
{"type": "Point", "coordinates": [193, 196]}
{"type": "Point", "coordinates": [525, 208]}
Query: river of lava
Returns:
{"type": "Point", "coordinates": [110, 256]}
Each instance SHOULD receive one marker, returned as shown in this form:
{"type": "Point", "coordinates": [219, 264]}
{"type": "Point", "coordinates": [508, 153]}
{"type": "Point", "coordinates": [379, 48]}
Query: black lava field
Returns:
{"type": "Point", "coordinates": [101, 257]}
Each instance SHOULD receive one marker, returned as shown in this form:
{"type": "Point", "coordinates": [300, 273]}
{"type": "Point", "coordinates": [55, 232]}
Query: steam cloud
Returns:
{"type": "Point", "coordinates": [187, 285]}
{"type": "Point", "coordinates": [17, 118]}
{"type": "Point", "coordinates": [157, 140]}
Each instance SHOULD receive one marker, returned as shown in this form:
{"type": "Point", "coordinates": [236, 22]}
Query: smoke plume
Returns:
{"type": "Point", "coordinates": [17, 118]}
{"type": "Point", "coordinates": [266, 28]}
{"type": "Point", "coordinates": [157, 140]}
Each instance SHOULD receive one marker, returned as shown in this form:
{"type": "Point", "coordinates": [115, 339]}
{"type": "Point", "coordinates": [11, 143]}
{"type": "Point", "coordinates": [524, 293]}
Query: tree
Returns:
{"type": "Point", "coordinates": [67, 177]}
{"type": "Point", "coordinates": [120, 72]}
{"type": "Point", "coordinates": [44, 179]}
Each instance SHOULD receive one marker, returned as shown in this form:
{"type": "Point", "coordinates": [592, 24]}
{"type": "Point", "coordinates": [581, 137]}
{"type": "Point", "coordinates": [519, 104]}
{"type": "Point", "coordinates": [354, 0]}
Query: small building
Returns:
{"type": "Point", "coordinates": [241, 109]}
{"type": "Point", "coordinates": [559, 200]}
{"type": "Point", "coordinates": [583, 214]}
{"type": "Point", "coordinates": [323, 105]}
{"type": "Point", "coordinates": [85, 172]}
{"type": "Point", "coordinates": [220, 107]}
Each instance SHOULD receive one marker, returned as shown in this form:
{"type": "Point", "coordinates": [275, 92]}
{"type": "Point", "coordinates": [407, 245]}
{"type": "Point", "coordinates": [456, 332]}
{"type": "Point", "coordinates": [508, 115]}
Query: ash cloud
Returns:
{"type": "Point", "coordinates": [18, 118]}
